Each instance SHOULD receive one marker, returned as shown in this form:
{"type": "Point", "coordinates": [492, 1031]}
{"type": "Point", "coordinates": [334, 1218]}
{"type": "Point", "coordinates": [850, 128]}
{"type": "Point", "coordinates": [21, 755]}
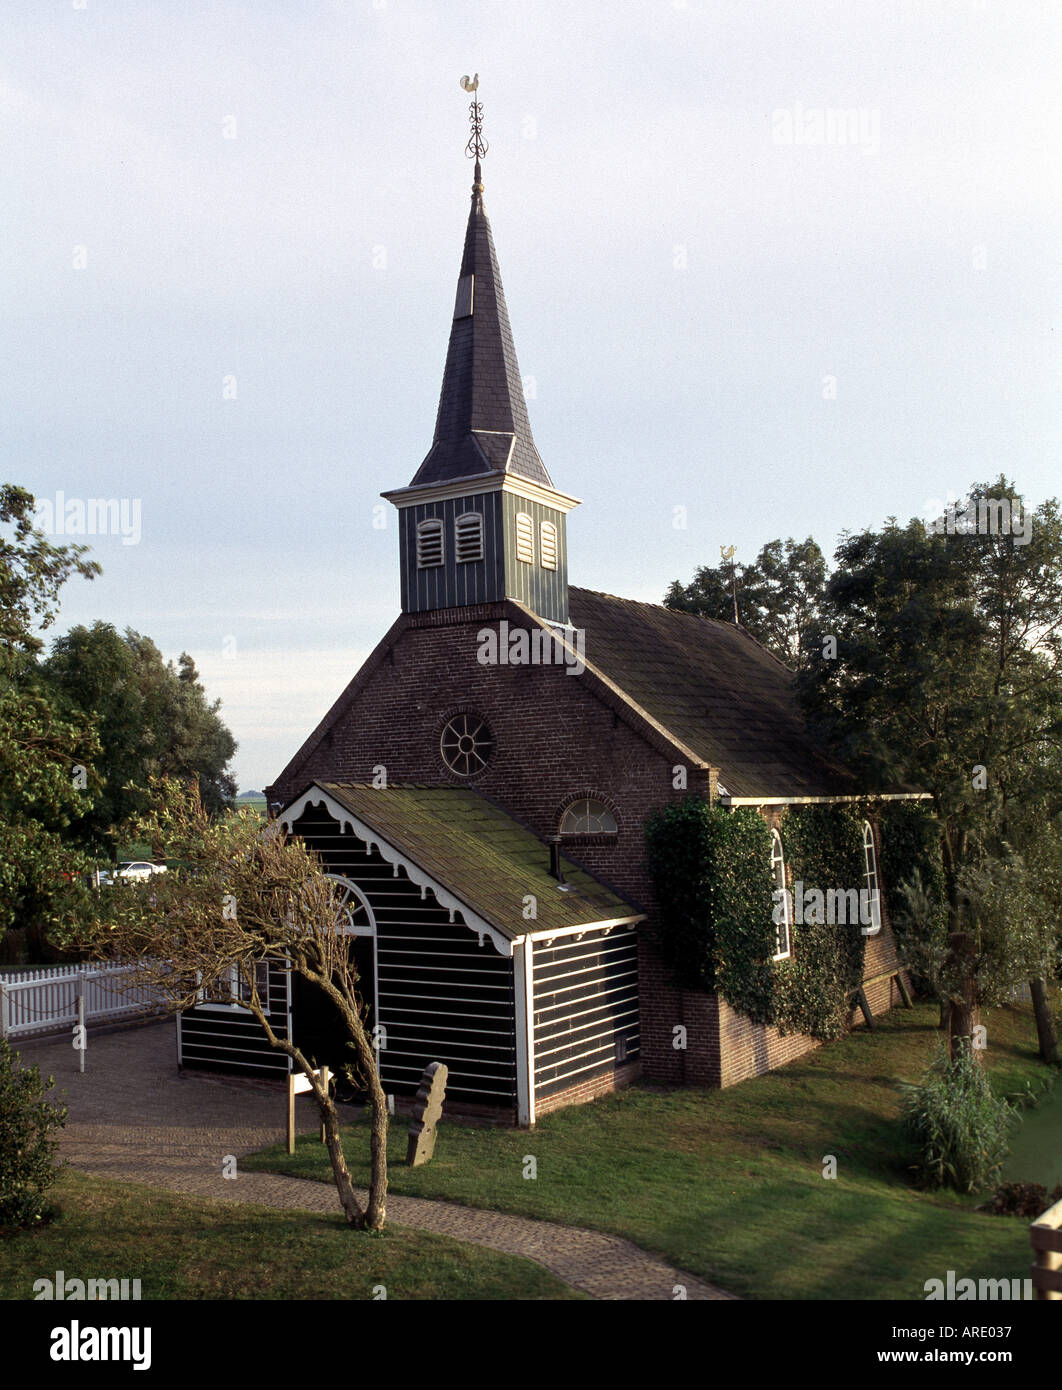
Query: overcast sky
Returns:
{"type": "Point", "coordinates": [230, 237]}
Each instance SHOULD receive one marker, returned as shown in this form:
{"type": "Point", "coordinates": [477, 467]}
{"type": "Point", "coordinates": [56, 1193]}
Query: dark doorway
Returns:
{"type": "Point", "coordinates": [318, 1027]}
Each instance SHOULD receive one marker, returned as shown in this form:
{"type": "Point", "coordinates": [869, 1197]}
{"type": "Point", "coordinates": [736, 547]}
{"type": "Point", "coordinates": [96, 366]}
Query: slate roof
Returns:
{"type": "Point", "coordinates": [480, 855]}
{"type": "Point", "coordinates": [482, 424]}
{"type": "Point", "coordinates": [716, 689]}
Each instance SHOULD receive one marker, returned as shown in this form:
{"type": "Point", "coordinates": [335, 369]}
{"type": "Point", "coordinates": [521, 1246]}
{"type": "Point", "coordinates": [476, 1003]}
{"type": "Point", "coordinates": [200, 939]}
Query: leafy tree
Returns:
{"type": "Point", "coordinates": [153, 719]}
{"type": "Point", "coordinates": [947, 680]}
{"type": "Point", "coordinates": [247, 895]}
{"type": "Point", "coordinates": [32, 571]}
{"type": "Point", "coordinates": [778, 595]}
{"type": "Point", "coordinates": [47, 756]}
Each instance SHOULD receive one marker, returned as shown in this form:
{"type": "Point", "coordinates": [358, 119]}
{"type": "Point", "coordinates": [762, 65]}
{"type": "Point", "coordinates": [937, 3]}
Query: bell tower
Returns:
{"type": "Point", "coordinates": [481, 519]}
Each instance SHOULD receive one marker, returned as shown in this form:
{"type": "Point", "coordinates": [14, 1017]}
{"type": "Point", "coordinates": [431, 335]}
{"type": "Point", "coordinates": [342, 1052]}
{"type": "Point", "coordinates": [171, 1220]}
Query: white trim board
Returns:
{"type": "Point", "coordinates": [821, 800]}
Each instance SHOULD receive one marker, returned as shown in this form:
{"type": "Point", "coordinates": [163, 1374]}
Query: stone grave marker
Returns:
{"type": "Point", "coordinates": [427, 1112]}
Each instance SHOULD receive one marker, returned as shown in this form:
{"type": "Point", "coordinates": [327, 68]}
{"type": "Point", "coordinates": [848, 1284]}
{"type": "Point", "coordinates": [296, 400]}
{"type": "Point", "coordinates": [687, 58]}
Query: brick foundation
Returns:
{"type": "Point", "coordinates": [583, 1091]}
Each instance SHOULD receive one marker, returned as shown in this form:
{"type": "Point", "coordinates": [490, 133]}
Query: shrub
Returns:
{"type": "Point", "coordinates": [27, 1145]}
{"type": "Point", "coordinates": [962, 1130]}
{"type": "Point", "coordinates": [1022, 1199]}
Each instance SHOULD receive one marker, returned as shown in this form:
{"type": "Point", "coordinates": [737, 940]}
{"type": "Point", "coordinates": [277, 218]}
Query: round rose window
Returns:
{"type": "Point", "coordinates": [466, 744]}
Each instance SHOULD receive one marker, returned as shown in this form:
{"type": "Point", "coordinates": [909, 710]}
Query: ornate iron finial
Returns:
{"type": "Point", "coordinates": [477, 147]}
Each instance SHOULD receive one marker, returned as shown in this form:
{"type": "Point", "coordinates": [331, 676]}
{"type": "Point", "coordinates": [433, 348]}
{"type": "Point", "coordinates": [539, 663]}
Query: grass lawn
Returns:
{"type": "Point", "coordinates": [728, 1184]}
{"type": "Point", "coordinates": [180, 1247]}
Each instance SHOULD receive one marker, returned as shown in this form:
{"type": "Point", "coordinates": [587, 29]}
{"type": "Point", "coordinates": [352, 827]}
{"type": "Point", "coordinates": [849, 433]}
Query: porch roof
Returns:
{"type": "Point", "coordinates": [479, 855]}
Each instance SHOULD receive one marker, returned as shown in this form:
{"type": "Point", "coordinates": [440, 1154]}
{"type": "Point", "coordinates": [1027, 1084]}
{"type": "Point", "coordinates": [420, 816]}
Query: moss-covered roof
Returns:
{"type": "Point", "coordinates": [480, 855]}
{"type": "Point", "coordinates": [712, 686]}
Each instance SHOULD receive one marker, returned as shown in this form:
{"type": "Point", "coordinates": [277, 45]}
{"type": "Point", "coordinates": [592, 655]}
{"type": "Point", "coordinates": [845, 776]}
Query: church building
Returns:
{"type": "Point", "coordinates": [481, 786]}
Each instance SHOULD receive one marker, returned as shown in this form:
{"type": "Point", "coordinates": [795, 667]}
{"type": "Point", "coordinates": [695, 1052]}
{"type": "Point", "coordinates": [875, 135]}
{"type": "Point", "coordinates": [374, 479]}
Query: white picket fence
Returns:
{"type": "Point", "coordinates": [34, 1002]}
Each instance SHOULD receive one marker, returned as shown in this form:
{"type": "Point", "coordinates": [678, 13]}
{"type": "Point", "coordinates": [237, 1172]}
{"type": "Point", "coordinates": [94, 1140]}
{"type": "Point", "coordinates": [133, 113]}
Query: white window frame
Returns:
{"type": "Point", "coordinates": [231, 977]}
{"type": "Point", "coordinates": [352, 893]}
{"type": "Point", "coordinates": [870, 879]}
{"type": "Point", "coordinates": [432, 524]}
{"type": "Point", "coordinates": [584, 803]}
{"type": "Point", "coordinates": [786, 924]}
{"type": "Point", "coordinates": [548, 545]}
{"type": "Point", "coordinates": [471, 523]}
{"type": "Point", "coordinates": [525, 538]}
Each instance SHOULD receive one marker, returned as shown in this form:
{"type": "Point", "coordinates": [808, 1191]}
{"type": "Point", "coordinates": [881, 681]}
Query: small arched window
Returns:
{"type": "Point", "coordinates": [870, 908]}
{"type": "Point", "coordinates": [783, 908]}
{"type": "Point", "coordinates": [357, 916]}
{"type": "Point", "coordinates": [525, 538]}
{"type": "Point", "coordinates": [429, 543]}
{"type": "Point", "coordinates": [468, 537]}
{"type": "Point", "coordinates": [547, 545]}
{"type": "Point", "coordinates": [588, 817]}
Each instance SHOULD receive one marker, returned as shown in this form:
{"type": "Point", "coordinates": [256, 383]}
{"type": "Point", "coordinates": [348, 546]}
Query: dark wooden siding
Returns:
{"type": "Point", "coordinates": [230, 1039]}
{"type": "Point", "coordinates": [442, 997]}
{"type": "Point", "coordinates": [451, 585]}
{"type": "Point", "coordinates": [586, 1007]}
{"type": "Point", "coordinates": [545, 592]}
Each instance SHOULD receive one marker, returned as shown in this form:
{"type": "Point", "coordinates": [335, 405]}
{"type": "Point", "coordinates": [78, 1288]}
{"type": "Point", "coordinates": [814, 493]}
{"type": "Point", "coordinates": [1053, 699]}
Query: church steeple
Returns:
{"type": "Point", "coordinates": [481, 519]}
{"type": "Point", "coordinates": [482, 418]}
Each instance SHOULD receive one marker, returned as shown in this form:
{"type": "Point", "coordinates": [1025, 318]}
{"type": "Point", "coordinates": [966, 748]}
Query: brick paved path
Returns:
{"type": "Point", "coordinates": [134, 1119]}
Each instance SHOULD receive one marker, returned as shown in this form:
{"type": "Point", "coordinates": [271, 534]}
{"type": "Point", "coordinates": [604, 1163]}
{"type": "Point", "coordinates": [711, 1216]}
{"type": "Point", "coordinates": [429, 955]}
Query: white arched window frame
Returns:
{"type": "Point", "coordinates": [783, 927]}
{"type": "Point", "coordinates": [430, 551]}
{"type": "Point", "coordinates": [587, 816]}
{"type": "Point", "coordinates": [870, 882]}
{"type": "Point", "coordinates": [360, 920]}
{"type": "Point", "coordinates": [468, 537]}
{"type": "Point", "coordinates": [547, 545]}
{"type": "Point", "coordinates": [525, 538]}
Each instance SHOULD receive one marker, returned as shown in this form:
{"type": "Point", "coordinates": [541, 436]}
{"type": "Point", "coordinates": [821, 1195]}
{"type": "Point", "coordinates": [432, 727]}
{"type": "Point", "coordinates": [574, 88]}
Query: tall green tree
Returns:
{"type": "Point", "coordinates": [944, 674]}
{"type": "Point", "coordinates": [778, 595]}
{"type": "Point", "coordinates": [48, 776]}
{"type": "Point", "coordinates": [153, 717]}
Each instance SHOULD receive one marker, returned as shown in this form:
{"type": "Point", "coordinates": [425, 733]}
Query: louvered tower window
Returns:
{"type": "Point", "coordinates": [525, 538]}
{"type": "Point", "coordinates": [548, 545]}
{"type": "Point", "coordinates": [468, 534]}
{"type": "Point", "coordinates": [429, 544]}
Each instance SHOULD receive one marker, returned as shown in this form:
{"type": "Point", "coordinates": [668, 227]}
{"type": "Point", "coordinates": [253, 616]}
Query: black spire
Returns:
{"type": "Point", "coordinates": [482, 424]}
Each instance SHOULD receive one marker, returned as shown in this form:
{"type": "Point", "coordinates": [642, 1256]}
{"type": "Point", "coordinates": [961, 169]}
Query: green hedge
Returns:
{"type": "Point", "coordinates": [711, 872]}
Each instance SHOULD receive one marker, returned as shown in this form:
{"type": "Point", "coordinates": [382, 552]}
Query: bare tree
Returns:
{"type": "Point", "coordinates": [244, 898]}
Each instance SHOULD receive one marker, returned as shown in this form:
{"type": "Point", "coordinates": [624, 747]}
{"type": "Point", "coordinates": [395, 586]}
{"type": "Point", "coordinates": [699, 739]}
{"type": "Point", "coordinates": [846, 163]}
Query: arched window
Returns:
{"type": "Point", "coordinates": [525, 538]}
{"type": "Point", "coordinates": [547, 545]}
{"type": "Point", "coordinates": [870, 883]}
{"type": "Point", "coordinates": [429, 543]}
{"type": "Point", "coordinates": [783, 908]}
{"type": "Point", "coordinates": [588, 817]}
{"type": "Point", "coordinates": [358, 917]}
{"type": "Point", "coordinates": [468, 537]}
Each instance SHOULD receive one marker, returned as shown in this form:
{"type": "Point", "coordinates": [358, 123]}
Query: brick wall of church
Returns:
{"type": "Point", "coordinates": [553, 740]}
